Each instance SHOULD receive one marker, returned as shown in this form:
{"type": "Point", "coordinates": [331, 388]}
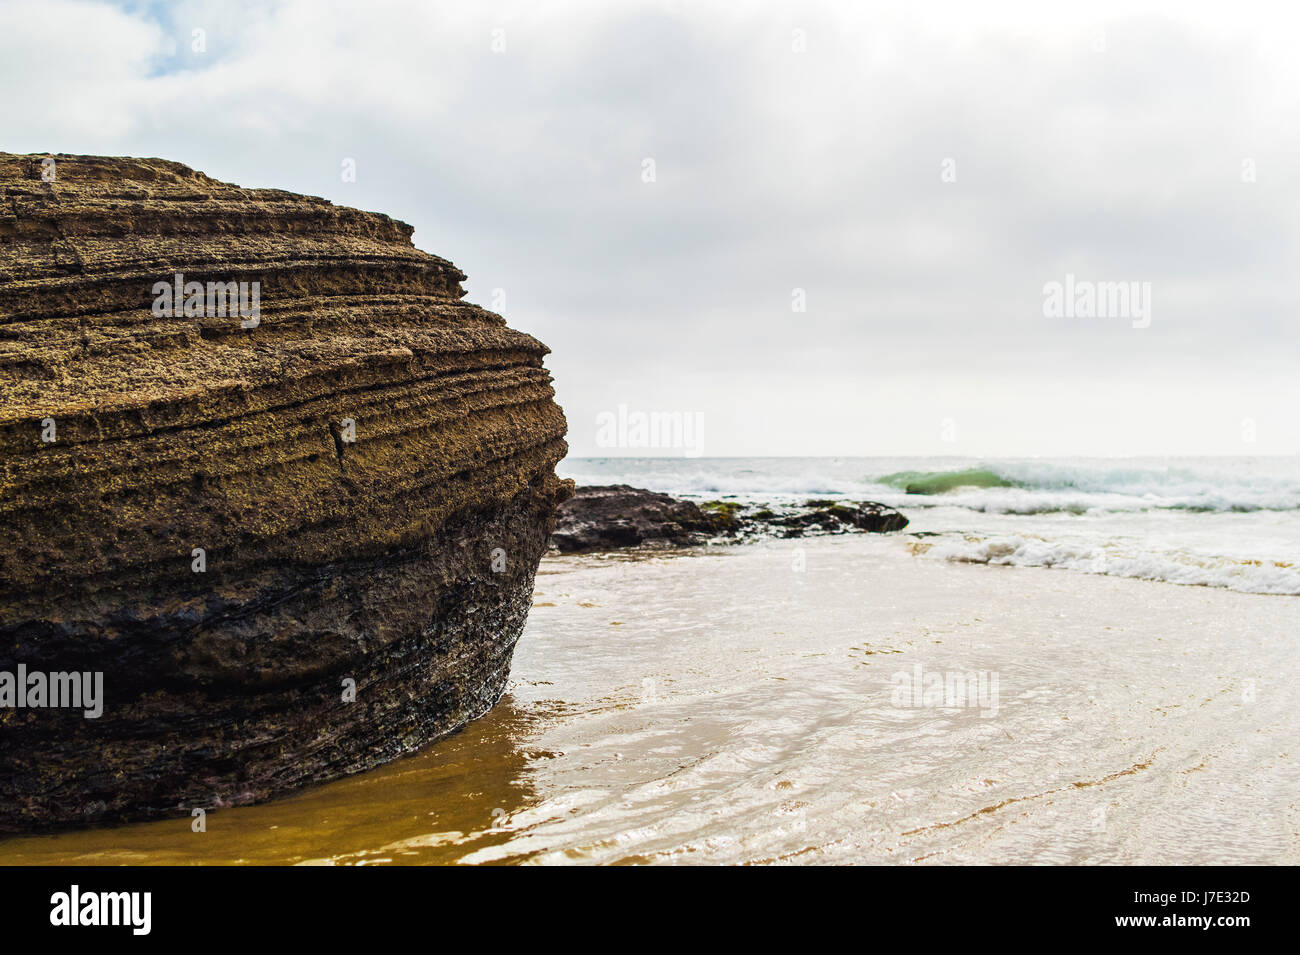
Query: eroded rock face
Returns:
{"type": "Point", "coordinates": [232, 516]}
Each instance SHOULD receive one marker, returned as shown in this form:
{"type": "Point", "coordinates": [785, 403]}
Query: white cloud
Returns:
{"type": "Point", "coordinates": [775, 169]}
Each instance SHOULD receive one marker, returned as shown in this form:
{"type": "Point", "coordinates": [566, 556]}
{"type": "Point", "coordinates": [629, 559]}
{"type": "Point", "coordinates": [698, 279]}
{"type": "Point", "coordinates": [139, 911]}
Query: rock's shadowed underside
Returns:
{"type": "Point", "coordinates": [402, 560]}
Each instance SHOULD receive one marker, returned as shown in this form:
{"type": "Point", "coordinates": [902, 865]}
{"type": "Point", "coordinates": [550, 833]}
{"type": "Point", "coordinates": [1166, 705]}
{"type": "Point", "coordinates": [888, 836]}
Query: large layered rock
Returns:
{"type": "Point", "coordinates": [368, 470]}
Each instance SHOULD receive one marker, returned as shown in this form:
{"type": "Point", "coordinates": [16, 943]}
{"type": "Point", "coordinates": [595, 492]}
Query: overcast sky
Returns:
{"type": "Point", "coordinates": [920, 171]}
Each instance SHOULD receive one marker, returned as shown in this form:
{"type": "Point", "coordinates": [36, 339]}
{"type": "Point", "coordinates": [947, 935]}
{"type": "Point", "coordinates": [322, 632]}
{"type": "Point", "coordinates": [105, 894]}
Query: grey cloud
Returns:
{"type": "Point", "coordinates": [775, 170]}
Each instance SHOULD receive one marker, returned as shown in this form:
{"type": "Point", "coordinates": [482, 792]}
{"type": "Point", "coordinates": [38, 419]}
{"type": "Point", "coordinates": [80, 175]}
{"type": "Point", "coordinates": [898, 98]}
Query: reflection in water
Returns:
{"type": "Point", "coordinates": [744, 706]}
{"type": "Point", "coordinates": [454, 797]}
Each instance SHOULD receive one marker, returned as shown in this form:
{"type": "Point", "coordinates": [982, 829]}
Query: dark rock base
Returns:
{"type": "Point", "coordinates": [234, 696]}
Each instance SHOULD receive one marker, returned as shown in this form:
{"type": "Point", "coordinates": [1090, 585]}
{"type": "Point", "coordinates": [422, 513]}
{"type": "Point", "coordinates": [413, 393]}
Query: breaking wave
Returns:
{"type": "Point", "coordinates": [940, 482]}
{"type": "Point", "coordinates": [1037, 487]}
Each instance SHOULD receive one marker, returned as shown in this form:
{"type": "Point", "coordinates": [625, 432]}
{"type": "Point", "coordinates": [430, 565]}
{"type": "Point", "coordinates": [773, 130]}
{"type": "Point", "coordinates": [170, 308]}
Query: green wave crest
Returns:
{"type": "Point", "coordinates": [940, 482]}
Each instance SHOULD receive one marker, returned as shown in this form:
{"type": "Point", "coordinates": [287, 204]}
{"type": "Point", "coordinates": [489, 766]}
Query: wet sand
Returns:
{"type": "Point", "coordinates": [760, 704]}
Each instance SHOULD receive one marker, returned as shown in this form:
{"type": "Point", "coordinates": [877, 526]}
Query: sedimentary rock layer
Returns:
{"type": "Point", "coordinates": [231, 517]}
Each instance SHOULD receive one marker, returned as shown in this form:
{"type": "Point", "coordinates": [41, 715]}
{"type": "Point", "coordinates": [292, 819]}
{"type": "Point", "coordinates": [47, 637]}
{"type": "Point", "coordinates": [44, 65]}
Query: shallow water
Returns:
{"type": "Point", "coordinates": [750, 704]}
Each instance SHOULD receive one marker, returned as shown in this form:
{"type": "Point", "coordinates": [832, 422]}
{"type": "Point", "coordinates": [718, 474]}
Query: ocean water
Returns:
{"type": "Point", "coordinates": [1213, 522]}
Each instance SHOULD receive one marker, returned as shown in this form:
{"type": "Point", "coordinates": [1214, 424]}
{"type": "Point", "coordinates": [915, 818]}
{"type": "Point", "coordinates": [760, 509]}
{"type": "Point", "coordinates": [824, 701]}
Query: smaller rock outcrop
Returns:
{"type": "Point", "coordinates": [618, 516]}
{"type": "Point", "coordinates": [832, 517]}
{"type": "Point", "coordinates": [611, 517]}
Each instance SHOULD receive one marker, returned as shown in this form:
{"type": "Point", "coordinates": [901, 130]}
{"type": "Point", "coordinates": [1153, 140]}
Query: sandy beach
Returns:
{"type": "Point", "coordinates": [755, 704]}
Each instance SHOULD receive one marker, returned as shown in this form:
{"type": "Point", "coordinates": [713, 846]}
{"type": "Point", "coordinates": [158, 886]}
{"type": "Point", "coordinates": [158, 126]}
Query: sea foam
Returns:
{"type": "Point", "coordinates": [1244, 576]}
